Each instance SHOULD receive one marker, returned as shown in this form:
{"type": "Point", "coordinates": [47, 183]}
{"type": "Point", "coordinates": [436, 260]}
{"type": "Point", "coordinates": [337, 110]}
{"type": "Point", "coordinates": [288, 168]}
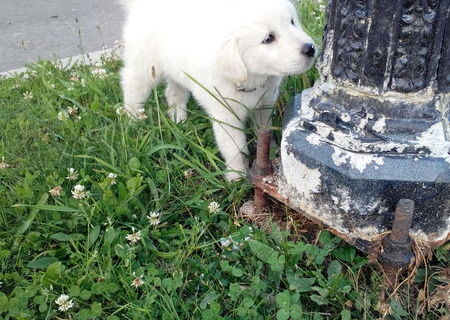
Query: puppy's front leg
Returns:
{"type": "Point", "coordinates": [136, 81]}
{"type": "Point", "coordinates": [231, 141]}
{"type": "Point", "coordinates": [263, 116]}
{"type": "Point", "coordinates": [263, 113]}
{"type": "Point", "coordinates": [177, 98]}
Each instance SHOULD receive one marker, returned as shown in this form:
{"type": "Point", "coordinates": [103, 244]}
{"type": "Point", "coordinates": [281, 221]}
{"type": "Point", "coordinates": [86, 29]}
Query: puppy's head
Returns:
{"type": "Point", "coordinates": [267, 39]}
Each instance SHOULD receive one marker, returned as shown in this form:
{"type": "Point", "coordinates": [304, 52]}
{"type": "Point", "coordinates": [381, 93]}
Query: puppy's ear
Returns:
{"type": "Point", "coordinates": [230, 62]}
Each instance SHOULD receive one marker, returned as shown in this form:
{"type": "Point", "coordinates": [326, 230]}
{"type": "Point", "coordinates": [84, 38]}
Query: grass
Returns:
{"type": "Point", "coordinates": [198, 260]}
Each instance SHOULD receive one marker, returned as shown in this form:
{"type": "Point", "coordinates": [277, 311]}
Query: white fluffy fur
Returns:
{"type": "Point", "coordinates": [219, 44]}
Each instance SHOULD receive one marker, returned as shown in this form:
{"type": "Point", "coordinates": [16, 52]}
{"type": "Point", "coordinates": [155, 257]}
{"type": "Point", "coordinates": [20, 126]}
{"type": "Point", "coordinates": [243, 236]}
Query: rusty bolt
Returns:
{"type": "Point", "coordinates": [402, 221]}
{"type": "Point", "coordinates": [397, 252]}
{"type": "Point", "coordinates": [397, 245]}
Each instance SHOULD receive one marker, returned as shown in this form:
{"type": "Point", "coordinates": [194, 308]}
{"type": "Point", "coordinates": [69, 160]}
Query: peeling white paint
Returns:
{"type": "Point", "coordinates": [423, 239]}
{"type": "Point", "coordinates": [358, 161]}
{"type": "Point", "coordinates": [323, 212]}
{"type": "Point", "coordinates": [442, 104]}
{"type": "Point", "coordinates": [399, 147]}
{"type": "Point", "coordinates": [314, 139]}
{"type": "Point", "coordinates": [306, 112]}
{"type": "Point", "coordinates": [380, 125]}
{"type": "Point", "coordinates": [324, 64]}
{"type": "Point", "coordinates": [366, 233]}
{"type": "Point", "coordinates": [304, 180]}
{"type": "Point", "coordinates": [298, 183]}
{"type": "Point", "coordinates": [318, 211]}
{"type": "Point", "coordinates": [345, 117]}
{"type": "Point", "coordinates": [344, 202]}
{"type": "Point", "coordinates": [362, 124]}
{"type": "Point", "coordinates": [434, 139]}
{"type": "Point", "coordinates": [382, 209]}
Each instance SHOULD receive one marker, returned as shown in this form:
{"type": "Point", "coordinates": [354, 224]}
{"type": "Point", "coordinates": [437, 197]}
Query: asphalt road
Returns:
{"type": "Point", "coordinates": [55, 29]}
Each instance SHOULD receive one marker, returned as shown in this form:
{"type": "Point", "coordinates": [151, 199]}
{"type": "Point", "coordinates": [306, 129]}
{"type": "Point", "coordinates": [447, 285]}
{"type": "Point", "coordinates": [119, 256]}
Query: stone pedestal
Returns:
{"type": "Point", "coordinates": [376, 127]}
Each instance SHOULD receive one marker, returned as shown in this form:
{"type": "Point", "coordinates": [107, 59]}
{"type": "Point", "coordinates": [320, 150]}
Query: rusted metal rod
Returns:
{"type": "Point", "coordinates": [263, 165]}
{"type": "Point", "coordinates": [402, 221]}
{"type": "Point", "coordinates": [397, 252]}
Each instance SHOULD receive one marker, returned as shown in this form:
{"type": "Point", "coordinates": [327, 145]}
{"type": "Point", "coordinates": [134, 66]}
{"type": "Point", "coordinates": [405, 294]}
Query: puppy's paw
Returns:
{"type": "Point", "coordinates": [177, 115]}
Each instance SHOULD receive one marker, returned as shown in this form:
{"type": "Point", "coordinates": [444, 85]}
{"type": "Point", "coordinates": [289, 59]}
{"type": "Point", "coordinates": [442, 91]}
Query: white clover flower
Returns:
{"type": "Point", "coordinates": [72, 111]}
{"type": "Point", "coordinates": [137, 282]}
{"type": "Point", "coordinates": [322, 7]}
{"type": "Point", "coordinates": [213, 207]}
{"type": "Point", "coordinates": [15, 87]}
{"type": "Point", "coordinates": [64, 303]}
{"type": "Point", "coordinates": [141, 114]}
{"type": "Point", "coordinates": [188, 173]}
{"type": "Point", "coordinates": [153, 218]}
{"type": "Point", "coordinates": [52, 86]}
{"type": "Point", "coordinates": [112, 178]}
{"type": "Point", "coordinates": [56, 191]}
{"type": "Point", "coordinates": [63, 116]}
{"type": "Point", "coordinates": [78, 192]}
{"type": "Point", "coordinates": [99, 72]}
{"type": "Point", "coordinates": [3, 164]}
{"type": "Point", "coordinates": [134, 237]}
{"type": "Point", "coordinates": [73, 174]}
{"type": "Point", "coordinates": [28, 95]}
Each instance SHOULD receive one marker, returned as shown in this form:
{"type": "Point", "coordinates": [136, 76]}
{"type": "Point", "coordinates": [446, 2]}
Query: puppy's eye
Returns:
{"type": "Point", "coordinates": [292, 22]}
{"type": "Point", "coordinates": [269, 39]}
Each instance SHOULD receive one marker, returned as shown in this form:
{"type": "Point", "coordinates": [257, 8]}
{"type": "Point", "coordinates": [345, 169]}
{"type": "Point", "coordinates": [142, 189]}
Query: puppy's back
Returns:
{"type": "Point", "coordinates": [175, 27]}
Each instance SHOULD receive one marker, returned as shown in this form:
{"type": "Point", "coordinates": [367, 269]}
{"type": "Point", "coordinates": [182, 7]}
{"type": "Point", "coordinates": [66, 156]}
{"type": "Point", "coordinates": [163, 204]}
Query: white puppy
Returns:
{"type": "Point", "coordinates": [230, 54]}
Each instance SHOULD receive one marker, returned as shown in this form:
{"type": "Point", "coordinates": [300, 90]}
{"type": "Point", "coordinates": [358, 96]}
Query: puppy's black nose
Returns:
{"type": "Point", "coordinates": [308, 50]}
